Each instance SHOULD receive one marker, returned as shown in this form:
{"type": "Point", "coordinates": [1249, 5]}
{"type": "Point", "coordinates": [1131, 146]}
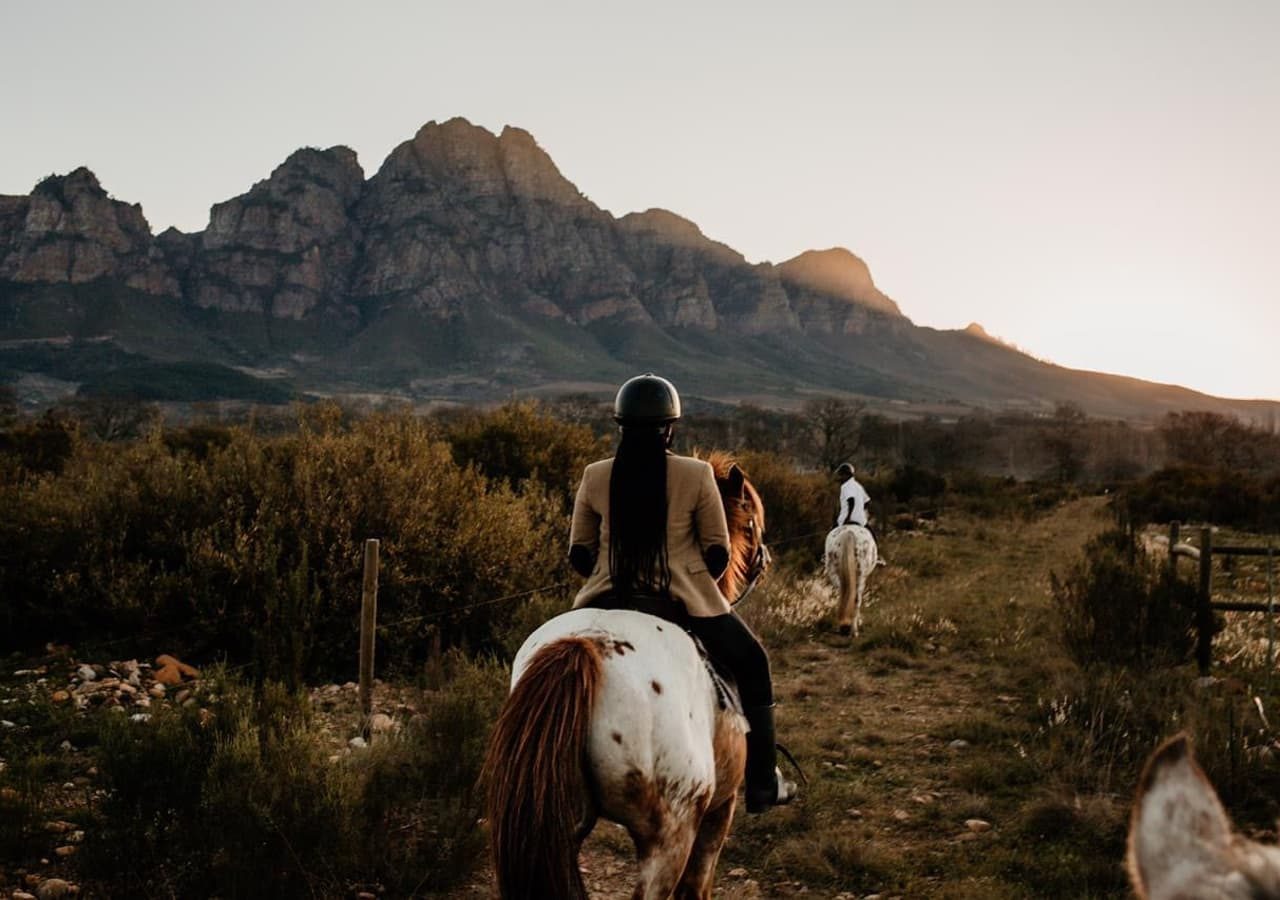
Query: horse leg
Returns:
{"type": "Point", "coordinates": [849, 615]}
{"type": "Point", "coordinates": [662, 848]}
{"type": "Point", "coordinates": [695, 884]}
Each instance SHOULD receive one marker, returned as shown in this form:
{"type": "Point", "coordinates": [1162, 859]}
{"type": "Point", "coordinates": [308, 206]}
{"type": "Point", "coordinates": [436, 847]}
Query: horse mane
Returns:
{"type": "Point", "coordinates": [738, 516]}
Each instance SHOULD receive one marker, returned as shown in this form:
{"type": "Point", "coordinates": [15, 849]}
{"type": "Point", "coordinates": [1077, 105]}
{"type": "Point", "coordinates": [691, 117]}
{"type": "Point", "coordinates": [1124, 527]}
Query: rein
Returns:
{"type": "Point", "coordinates": [760, 559]}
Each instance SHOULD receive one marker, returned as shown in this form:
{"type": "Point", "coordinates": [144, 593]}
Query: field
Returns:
{"type": "Point", "coordinates": [924, 723]}
{"type": "Point", "coordinates": [982, 737]}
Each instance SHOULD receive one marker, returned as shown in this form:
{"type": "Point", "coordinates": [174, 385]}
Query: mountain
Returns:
{"type": "Point", "coordinates": [467, 267]}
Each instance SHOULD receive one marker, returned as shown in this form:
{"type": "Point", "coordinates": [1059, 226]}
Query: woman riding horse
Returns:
{"type": "Point", "coordinates": [649, 529]}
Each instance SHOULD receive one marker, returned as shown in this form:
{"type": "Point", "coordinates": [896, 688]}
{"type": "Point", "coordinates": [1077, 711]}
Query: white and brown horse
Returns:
{"type": "Point", "coordinates": [612, 714]}
{"type": "Point", "coordinates": [1181, 843]}
{"type": "Point", "coordinates": [850, 556]}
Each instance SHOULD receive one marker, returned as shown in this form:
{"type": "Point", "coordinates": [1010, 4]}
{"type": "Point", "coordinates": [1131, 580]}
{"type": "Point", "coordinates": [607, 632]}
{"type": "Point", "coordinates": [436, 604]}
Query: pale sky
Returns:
{"type": "Point", "coordinates": [1097, 182]}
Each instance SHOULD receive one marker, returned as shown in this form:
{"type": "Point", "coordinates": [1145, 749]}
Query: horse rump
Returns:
{"type": "Point", "coordinates": [537, 797]}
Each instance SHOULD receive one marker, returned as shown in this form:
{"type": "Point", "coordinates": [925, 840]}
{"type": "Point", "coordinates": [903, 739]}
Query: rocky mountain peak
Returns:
{"type": "Point", "coordinates": [532, 174]}
{"type": "Point", "coordinates": [336, 169]}
{"type": "Point", "coordinates": [65, 188]}
{"type": "Point", "coordinates": [839, 273]}
{"type": "Point", "coordinates": [670, 228]}
{"type": "Point", "coordinates": [457, 155]}
{"type": "Point", "coordinates": [68, 230]}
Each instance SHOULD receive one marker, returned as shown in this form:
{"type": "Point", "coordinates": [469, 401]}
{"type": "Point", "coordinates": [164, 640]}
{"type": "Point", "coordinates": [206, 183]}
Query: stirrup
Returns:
{"type": "Point", "coordinates": [784, 792]}
{"type": "Point", "coordinates": [804, 779]}
{"type": "Point", "coordinates": [787, 790]}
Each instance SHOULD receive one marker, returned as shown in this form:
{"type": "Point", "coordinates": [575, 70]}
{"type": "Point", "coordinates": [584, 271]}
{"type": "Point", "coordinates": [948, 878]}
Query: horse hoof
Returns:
{"type": "Point", "coordinates": [846, 630]}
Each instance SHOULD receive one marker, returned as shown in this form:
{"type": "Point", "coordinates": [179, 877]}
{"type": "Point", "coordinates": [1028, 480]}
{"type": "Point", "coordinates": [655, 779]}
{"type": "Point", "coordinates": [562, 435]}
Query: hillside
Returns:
{"type": "Point", "coordinates": [467, 267]}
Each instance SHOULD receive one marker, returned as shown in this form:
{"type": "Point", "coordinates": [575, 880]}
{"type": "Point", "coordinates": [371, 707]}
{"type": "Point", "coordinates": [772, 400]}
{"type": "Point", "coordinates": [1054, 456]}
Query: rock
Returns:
{"type": "Point", "coordinates": [365, 895]}
{"type": "Point", "coordinates": [140, 717]}
{"type": "Point", "coordinates": [86, 673]}
{"type": "Point", "coordinates": [23, 895]}
{"type": "Point", "coordinates": [182, 696]}
{"type": "Point", "coordinates": [66, 747]}
{"type": "Point", "coordinates": [170, 671]}
{"type": "Point", "coordinates": [357, 743]}
{"type": "Point", "coordinates": [901, 815]}
{"type": "Point", "coordinates": [958, 744]}
{"type": "Point", "coordinates": [65, 850]}
{"type": "Point", "coordinates": [60, 697]}
{"type": "Point", "coordinates": [56, 889]}
{"type": "Point", "coordinates": [157, 690]}
{"type": "Point", "coordinates": [382, 723]}
{"type": "Point", "coordinates": [977, 826]}
{"type": "Point", "coordinates": [5, 723]}
{"type": "Point", "coordinates": [57, 826]}
{"type": "Point", "coordinates": [738, 873]}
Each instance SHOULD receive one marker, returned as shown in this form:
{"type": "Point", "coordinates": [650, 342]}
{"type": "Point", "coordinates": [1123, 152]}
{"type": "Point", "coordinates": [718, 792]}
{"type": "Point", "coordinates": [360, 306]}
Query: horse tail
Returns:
{"type": "Point", "coordinates": [847, 566]}
{"type": "Point", "coordinates": [535, 771]}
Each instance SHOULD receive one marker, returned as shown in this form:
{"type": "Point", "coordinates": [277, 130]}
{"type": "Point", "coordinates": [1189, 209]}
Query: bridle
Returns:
{"type": "Point", "coordinates": [760, 558]}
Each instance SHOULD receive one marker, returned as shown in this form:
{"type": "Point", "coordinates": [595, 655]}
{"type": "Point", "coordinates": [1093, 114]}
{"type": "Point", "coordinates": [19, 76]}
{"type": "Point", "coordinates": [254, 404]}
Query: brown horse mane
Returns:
{"type": "Point", "coordinates": [738, 516]}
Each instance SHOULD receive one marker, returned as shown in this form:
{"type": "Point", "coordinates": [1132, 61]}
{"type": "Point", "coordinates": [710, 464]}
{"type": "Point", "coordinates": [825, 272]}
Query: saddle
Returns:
{"type": "Point", "coordinates": [672, 610]}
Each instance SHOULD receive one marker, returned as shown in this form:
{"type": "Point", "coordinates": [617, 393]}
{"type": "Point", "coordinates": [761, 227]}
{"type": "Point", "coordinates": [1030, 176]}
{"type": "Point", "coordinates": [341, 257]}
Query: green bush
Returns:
{"type": "Point", "coordinates": [796, 502]}
{"type": "Point", "coordinates": [1117, 606]}
{"type": "Point", "coordinates": [240, 799]}
{"type": "Point", "coordinates": [1199, 494]}
{"type": "Point", "coordinates": [522, 441]}
{"type": "Point", "coordinates": [252, 545]}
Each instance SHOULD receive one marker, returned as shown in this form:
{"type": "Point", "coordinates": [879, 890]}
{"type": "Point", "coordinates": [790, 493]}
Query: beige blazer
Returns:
{"type": "Point", "coordinates": [695, 521]}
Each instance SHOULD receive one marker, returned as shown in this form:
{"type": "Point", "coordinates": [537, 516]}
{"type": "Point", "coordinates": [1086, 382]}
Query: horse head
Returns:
{"type": "Point", "coordinates": [744, 512]}
{"type": "Point", "coordinates": [1181, 842]}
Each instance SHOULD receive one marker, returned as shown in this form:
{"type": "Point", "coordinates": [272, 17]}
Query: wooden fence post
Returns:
{"type": "Point", "coordinates": [1204, 597]}
{"type": "Point", "coordinates": [368, 625]}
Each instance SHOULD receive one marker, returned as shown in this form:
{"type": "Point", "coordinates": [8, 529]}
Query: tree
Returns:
{"type": "Point", "coordinates": [109, 418]}
{"type": "Point", "coordinates": [833, 426]}
{"type": "Point", "coordinates": [1065, 441]}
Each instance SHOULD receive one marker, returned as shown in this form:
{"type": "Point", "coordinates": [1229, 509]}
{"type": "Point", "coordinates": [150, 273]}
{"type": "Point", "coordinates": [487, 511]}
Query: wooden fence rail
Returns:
{"type": "Point", "coordinates": [1205, 604]}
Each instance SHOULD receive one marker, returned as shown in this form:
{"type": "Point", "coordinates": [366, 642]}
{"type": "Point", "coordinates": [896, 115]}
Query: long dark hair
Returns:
{"type": "Point", "coordinates": [638, 512]}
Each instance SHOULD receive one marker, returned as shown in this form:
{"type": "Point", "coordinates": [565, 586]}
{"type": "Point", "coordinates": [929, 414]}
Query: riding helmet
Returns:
{"type": "Point", "coordinates": [646, 400]}
{"type": "Point", "coordinates": [845, 471]}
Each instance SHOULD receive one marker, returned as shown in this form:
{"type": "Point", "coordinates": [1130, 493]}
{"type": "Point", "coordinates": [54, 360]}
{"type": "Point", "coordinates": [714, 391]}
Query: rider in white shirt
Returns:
{"type": "Point", "coordinates": [853, 498]}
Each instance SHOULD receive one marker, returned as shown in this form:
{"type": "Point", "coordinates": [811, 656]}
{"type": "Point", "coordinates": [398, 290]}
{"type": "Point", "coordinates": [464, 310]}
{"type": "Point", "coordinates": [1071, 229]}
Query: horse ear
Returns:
{"type": "Point", "coordinates": [1179, 833]}
{"type": "Point", "coordinates": [736, 481]}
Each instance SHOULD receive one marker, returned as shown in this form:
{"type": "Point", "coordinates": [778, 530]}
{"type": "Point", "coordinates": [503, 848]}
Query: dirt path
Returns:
{"type": "Point", "coordinates": [909, 733]}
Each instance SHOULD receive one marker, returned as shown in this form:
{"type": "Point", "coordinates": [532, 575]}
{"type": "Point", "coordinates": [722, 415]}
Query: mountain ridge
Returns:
{"type": "Point", "coordinates": [470, 258]}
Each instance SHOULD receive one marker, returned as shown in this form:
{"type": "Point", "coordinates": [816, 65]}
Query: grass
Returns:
{"type": "Point", "coordinates": [957, 702]}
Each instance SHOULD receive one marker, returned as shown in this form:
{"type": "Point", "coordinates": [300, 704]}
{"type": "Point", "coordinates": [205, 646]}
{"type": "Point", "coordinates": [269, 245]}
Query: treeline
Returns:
{"type": "Point", "coordinates": [245, 538]}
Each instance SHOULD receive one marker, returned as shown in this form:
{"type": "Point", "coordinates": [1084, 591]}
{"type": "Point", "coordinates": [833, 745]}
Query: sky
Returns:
{"type": "Point", "coordinates": [1095, 182]}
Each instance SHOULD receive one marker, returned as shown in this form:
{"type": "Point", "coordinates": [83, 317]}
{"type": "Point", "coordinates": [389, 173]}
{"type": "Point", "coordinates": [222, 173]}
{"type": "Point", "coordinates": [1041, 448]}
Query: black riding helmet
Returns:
{"type": "Point", "coordinates": [646, 400]}
{"type": "Point", "coordinates": [844, 472]}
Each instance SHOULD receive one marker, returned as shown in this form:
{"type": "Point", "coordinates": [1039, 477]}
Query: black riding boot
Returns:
{"type": "Point", "coordinates": [765, 785]}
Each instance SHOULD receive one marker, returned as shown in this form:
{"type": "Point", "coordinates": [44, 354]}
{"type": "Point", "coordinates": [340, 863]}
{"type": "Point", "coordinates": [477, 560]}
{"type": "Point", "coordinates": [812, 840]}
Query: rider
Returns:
{"type": "Point", "coordinates": [649, 525]}
{"type": "Point", "coordinates": [853, 498]}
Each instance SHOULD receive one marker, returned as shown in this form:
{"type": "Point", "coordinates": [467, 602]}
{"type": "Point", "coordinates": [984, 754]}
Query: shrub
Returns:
{"type": "Point", "coordinates": [1198, 494]}
{"type": "Point", "coordinates": [242, 801]}
{"type": "Point", "coordinates": [1118, 606]}
{"type": "Point", "coordinates": [522, 441]}
{"type": "Point", "coordinates": [252, 546]}
{"type": "Point", "coordinates": [796, 503]}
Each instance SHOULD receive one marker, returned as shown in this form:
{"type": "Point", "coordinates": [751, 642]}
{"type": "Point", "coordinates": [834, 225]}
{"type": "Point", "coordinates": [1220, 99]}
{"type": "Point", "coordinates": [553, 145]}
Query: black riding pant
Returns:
{"type": "Point", "coordinates": [732, 644]}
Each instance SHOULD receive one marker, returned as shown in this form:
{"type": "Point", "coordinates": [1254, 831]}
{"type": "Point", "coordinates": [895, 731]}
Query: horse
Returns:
{"type": "Point", "coordinates": [612, 714]}
{"type": "Point", "coordinates": [1181, 842]}
{"type": "Point", "coordinates": [850, 556]}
